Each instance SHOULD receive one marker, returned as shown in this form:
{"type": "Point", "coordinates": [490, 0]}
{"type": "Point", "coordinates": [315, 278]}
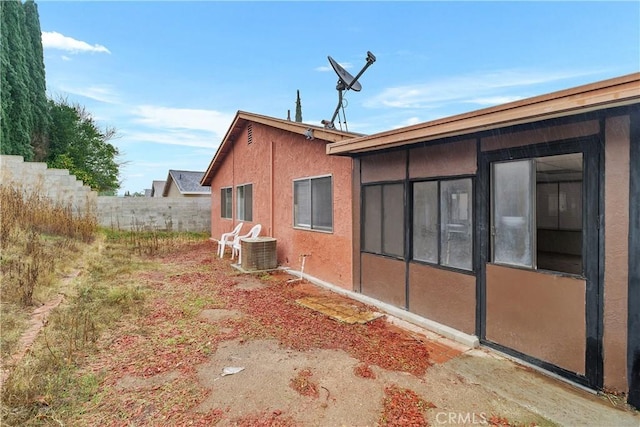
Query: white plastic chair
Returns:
{"type": "Point", "coordinates": [237, 247]}
{"type": "Point", "coordinates": [227, 239]}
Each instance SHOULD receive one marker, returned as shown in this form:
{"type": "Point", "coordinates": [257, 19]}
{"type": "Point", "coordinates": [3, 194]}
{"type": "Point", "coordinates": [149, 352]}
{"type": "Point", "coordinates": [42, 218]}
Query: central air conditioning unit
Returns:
{"type": "Point", "coordinates": [258, 254]}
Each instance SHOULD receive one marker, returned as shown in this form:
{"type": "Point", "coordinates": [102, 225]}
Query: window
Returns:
{"type": "Point", "coordinates": [442, 223]}
{"type": "Point", "coordinates": [244, 199]}
{"type": "Point", "coordinates": [226, 203]}
{"type": "Point", "coordinates": [536, 219]}
{"type": "Point", "coordinates": [383, 219]}
{"type": "Point", "coordinates": [313, 203]}
{"type": "Point", "coordinates": [513, 221]}
{"type": "Point", "coordinates": [425, 221]}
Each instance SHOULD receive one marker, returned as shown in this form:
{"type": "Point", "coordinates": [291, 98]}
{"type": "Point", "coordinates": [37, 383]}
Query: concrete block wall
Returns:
{"type": "Point", "coordinates": [123, 213]}
{"type": "Point", "coordinates": [155, 213]}
{"type": "Point", "coordinates": [55, 184]}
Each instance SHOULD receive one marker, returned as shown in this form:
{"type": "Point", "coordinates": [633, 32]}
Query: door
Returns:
{"type": "Point", "coordinates": [539, 285]}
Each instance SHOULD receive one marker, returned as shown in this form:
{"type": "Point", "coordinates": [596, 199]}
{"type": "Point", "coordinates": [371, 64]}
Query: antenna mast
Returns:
{"type": "Point", "coordinates": [345, 82]}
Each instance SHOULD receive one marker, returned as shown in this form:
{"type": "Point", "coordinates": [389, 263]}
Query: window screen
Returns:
{"type": "Point", "coordinates": [393, 219]}
{"type": "Point", "coordinates": [313, 203]}
{"type": "Point", "coordinates": [244, 196]}
{"type": "Point", "coordinates": [383, 219]}
{"type": "Point", "coordinates": [226, 203]}
{"type": "Point", "coordinates": [456, 229]}
{"type": "Point", "coordinates": [372, 218]}
{"type": "Point", "coordinates": [513, 219]}
{"type": "Point", "coordinates": [443, 223]}
{"type": "Point", "coordinates": [425, 221]}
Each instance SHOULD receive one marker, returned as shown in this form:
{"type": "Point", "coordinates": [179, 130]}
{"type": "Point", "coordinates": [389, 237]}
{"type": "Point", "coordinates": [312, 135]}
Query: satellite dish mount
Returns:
{"type": "Point", "coordinates": [345, 82]}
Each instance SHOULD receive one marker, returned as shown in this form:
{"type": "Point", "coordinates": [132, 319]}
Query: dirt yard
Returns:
{"type": "Point", "coordinates": [215, 347]}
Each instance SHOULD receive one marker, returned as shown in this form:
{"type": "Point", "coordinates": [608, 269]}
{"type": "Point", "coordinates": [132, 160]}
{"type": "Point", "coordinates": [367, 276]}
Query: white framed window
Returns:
{"type": "Point", "coordinates": [226, 202]}
{"type": "Point", "coordinates": [244, 202]}
{"type": "Point", "coordinates": [313, 203]}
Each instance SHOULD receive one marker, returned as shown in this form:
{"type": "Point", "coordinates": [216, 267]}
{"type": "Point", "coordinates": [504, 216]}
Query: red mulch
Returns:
{"type": "Point", "coordinates": [303, 384]}
{"type": "Point", "coordinates": [403, 407]}
{"type": "Point", "coordinates": [170, 337]}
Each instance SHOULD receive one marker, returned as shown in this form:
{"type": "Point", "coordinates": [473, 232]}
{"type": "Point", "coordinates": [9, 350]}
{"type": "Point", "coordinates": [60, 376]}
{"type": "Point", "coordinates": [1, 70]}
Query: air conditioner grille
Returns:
{"type": "Point", "coordinates": [258, 254]}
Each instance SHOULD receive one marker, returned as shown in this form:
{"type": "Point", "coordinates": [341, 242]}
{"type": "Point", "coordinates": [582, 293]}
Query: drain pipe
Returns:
{"type": "Point", "coordinates": [304, 258]}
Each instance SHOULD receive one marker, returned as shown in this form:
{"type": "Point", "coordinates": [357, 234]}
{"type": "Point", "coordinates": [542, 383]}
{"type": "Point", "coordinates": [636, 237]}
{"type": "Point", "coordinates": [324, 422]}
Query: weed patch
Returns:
{"type": "Point", "coordinates": [52, 384]}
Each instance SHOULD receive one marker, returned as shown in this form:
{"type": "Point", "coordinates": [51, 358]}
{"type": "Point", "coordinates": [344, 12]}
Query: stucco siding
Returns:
{"type": "Point", "coordinates": [540, 135]}
{"type": "Point", "coordinates": [444, 296]}
{"type": "Point", "coordinates": [538, 314]}
{"type": "Point", "coordinates": [173, 190]}
{"type": "Point", "coordinates": [390, 166]}
{"type": "Point", "coordinates": [616, 280]}
{"type": "Point", "coordinates": [329, 252]}
{"type": "Point", "coordinates": [271, 162]}
{"type": "Point", "coordinates": [456, 158]}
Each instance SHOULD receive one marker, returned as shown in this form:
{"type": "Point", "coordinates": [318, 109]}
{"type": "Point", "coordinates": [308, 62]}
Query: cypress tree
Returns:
{"type": "Point", "coordinates": [17, 118]}
{"type": "Point", "coordinates": [37, 81]}
{"type": "Point", "coordinates": [298, 109]}
{"type": "Point", "coordinates": [5, 87]}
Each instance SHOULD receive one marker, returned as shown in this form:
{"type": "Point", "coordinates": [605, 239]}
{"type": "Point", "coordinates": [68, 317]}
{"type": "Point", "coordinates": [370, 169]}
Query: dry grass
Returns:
{"type": "Point", "coordinates": [153, 242]}
{"type": "Point", "coordinates": [51, 385]}
{"type": "Point", "coordinates": [40, 243]}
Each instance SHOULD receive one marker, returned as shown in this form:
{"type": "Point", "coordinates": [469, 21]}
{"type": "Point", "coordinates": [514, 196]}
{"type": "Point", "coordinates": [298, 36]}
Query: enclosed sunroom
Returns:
{"type": "Point", "coordinates": [516, 224]}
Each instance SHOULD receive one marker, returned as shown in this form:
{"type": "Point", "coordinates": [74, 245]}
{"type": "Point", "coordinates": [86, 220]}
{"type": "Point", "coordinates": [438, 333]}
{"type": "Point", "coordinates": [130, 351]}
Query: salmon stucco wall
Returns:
{"type": "Point", "coordinates": [616, 279]}
{"type": "Point", "coordinates": [329, 253]}
{"type": "Point", "coordinates": [271, 163]}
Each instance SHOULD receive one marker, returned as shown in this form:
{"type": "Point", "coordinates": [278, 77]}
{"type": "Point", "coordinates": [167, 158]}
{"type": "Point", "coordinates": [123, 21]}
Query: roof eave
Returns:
{"type": "Point", "coordinates": [242, 117]}
{"type": "Point", "coordinates": [167, 185]}
{"type": "Point", "coordinates": [611, 93]}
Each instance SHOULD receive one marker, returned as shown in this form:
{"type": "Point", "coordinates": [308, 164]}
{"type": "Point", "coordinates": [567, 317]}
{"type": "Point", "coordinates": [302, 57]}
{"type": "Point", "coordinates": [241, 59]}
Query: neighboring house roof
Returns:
{"type": "Point", "coordinates": [188, 182]}
{"type": "Point", "coordinates": [616, 92]}
{"type": "Point", "coordinates": [242, 118]}
{"type": "Point", "coordinates": [156, 188]}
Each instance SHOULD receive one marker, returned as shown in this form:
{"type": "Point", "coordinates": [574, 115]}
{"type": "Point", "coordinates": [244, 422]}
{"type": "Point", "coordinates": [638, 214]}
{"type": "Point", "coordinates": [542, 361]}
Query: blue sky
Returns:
{"type": "Point", "coordinates": [171, 75]}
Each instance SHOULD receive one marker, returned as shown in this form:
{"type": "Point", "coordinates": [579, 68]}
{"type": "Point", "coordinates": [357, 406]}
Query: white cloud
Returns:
{"type": "Point", "coordinates": [55, 40]}
{"type": "Point", "coordinates": [167, 118]}
{"type": "Point", "coordinates": [167, 137]}
{"type": "Point", "coordinates": [494, 100]}
{"type": "Point", "coordinates": [408, 122]}
{"type": "Point", "coordinates": [325, 68]}
{"type": "Point", "coordinates": [488, 88]}
{"type": "Point", "coordinates": [102, 93]}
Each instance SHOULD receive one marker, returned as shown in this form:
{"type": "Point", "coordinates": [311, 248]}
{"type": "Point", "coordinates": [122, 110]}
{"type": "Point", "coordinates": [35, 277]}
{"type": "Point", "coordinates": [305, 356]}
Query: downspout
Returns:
{"type": "Point", "coordinates": [233, 183]}
{"type": "Point", "coordinates": [271, 189]}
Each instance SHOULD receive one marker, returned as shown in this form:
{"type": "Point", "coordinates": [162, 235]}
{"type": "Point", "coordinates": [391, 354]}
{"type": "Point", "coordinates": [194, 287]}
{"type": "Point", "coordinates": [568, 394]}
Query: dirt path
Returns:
{"type": "Point", "coordinates": [37, 321]}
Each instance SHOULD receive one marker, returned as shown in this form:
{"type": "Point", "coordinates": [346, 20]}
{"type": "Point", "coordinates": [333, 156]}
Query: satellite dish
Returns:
{"type": "Point", "coordinates": [345, 82]}
{"type": "Point", "coordinates": [347, 79]}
